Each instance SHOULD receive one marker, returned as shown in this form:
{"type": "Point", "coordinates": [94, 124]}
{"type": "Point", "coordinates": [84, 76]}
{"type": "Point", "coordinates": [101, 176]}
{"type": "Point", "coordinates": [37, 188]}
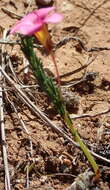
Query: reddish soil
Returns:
{"type": "Point", "coordinates": [54, 156]}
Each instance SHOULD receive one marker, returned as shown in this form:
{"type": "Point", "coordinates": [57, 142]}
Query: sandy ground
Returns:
{"type": "Point", "coordinates": [54, 156]}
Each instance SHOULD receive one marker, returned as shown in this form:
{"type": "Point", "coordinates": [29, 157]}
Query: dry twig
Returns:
{"type": "Point", "coordinates": [89, 61]}
{"type": "Point", "coordinates": [11, 13]}
{"type": "Point", "coordinates": [81, 43]}
{"type": "Point", "coordinates": [73, 116]}
{"type": "Point", "coordinates": [70, 84]}
{"type": "Point", "coordinates": [29, 6]}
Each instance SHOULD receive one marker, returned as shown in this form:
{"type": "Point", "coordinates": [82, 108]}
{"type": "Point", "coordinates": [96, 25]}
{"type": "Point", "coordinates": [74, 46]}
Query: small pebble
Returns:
{"type": "Point", "coordinates": [44, 2]}
{"type": "Point", "coordinates": [67, 162]}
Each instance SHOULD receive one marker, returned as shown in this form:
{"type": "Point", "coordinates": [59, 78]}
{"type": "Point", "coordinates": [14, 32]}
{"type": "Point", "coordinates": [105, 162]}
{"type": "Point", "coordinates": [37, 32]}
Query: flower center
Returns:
{"type": "Point", "coordinates": [44, 37]}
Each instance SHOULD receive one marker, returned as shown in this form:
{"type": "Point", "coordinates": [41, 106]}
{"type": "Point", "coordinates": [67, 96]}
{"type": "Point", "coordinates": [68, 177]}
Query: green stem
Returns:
{"type": "Point", "coordinates": [47, 84]}
{"type": "Point", "coordinates": [77, 138]}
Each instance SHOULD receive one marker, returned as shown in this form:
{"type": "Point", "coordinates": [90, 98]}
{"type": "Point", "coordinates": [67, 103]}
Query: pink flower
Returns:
{"type": "Point", "coordinates": [34, 21]}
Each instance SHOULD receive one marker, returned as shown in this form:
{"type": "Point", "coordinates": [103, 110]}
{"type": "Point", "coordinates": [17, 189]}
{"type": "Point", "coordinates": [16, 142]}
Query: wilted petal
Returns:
{"type": "Point", "coordinates": [54, 18]}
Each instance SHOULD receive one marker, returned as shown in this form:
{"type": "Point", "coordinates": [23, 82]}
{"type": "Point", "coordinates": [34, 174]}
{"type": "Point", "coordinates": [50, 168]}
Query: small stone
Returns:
{"type": "Point", "coordinates": [67, 162]}
{"type": "Point", "coordinates": [43, 179]}
{"type": "Point", "coordinates": [44, 2]}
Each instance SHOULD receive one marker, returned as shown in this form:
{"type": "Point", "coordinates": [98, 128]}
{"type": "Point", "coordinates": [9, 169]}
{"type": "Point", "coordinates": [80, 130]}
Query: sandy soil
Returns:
{"type": "Point", "coordinates": [54, 156]}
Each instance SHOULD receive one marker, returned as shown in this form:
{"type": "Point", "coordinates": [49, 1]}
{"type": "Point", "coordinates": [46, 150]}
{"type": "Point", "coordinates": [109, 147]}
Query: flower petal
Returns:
{"type": "Point", "coordinates": [35, 20]}
{"type": "Point", "coordinates": [28, 23]}
{"type": "Point", "coordinates": [14, 29]}
{"type": "Point", "coordinates": [43, 12]}
{"type": "Point", "coordinates": [26, 29]}
{"type": "Point", "coordinates": [54, 18]}
{"type": "Point", "coordinates": [30, 18]}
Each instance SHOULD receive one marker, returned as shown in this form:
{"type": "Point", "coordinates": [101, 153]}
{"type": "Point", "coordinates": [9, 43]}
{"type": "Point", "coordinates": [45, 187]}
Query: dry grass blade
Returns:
{"type": "Point", "coordinates": [34, 108]}
{"type": "Point", "coordinates": [29, 2]}
{"type": "Point", "coordinates": [70, 84]}
{"type": "Point", "coordinates": [81, 43]}
{"type": "Point", "coordinates": [4, 146]}
{"type": "Point", "coordinates": [2, 127]}
{"type": "Point", "coordinates": [88, 62]}
{"type": "Point", "coordinates": [27, 176]}
{"type": "Point", "coordinates": [40, 114]}
{"type": "Point", "coordinates": [73, 116]}
{"type": "Point", "coordinates": [10, 13]}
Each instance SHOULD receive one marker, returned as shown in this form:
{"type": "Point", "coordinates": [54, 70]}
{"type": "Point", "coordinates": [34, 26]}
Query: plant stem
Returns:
{"type": "Point", "coordinates": [54, 93]}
